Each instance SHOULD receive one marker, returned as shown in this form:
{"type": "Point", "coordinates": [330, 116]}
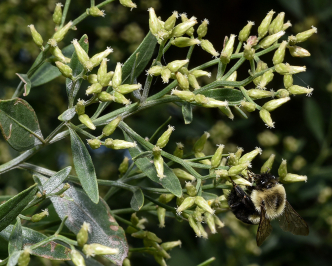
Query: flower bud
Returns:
{"type": "Point", "coordinates": [117, 144]}
{"type": "Point", "coordinates": [24, 258]}
{"type": "Point", "coordinates": [267, 166]}
{"type": "Point", "coordinates": [178, 152]}
{"type": "Point", "coordinates": [227, 111]}
{"type": "Point", "coordinates": [161, 213]}
{"type": "Point", "coordinates": [181, 28]}
{"type": "Point", "coordinates": [303, 36]}
{"type": "Point", "coordinates": [155, 71]}
{"type": "Point", "coordinates": [119, 98]}
{"type": "Point", "coordinates": [269, 40]}
{"type": "Point", "coordinates": [267, 77]}
{"type": "Point", "coordinates": [94, 88]}
{"type": "Point", "coordinates": [154, 23]}
{"type": "Point", "coordinates": [218, 222]}
{"type": "Point", "coordinates": [216, 158]}
{"type": "Point", "coordinates": [191, 189]}
{"type": "Point", "coordinates": [65, 70]}
{"type": "Point", "coordinates": [286, 25]}
{"type": "Point", "coordinates": [291, 178]}
{"type": "Point", "coordinates": [153, 237]}
{"type": "Point", "coordinates": [252, 40]}
{"type": "Point", "coordinates": [278, 23]}
{"type": "Point", "coordinates": [184, 18]}
{"type": "Point", "coordinates": [186, 204]}
{"type": "Point", "coordinates": [80, 107]}
{"type": "Point", "coordinates": [201, 154]}
{"type": "Point", "coordinates": [126, 262]}
{"type": "Point", "coordinates": [170, 245]}
{"type": "Point", "coordinates": [202, 29]}
{"type": "Point", "coordinates": [170, 22]}
{"type": "Point", "coordinates": [160, 260]}
{"type": "Point", "coordinates": [237, 169]}
{"type": "Point", "coordinates": [202, 230]}
{"type": "Point", "coordinates": [245, 32]}
{"type": "Point", "coordinates": [233, 159]}
{"type": "Point", "coordinates": [111, 126]}
{"type": "Point", "coordinates": [139, 234]}
{"type": "Point", "coordinates": [95, 12]}
{"type": "Point", "coordinates": [83, 235]}
{"type": "Point", "coordinates": [260, 67]}
{"type": "Point", "coordinates": [94, 143]}
{"type": "Point", "coordinates": [184, 95]}
{"type": "Point", "coordinates": [212, 103]}
{"type": "Point", "coordinates": [164, 138]}
{"type": "Point", "coordinates": [117, 77]}
{"type": "Point", "coordinates": [264, 26]}
{"type": "Point", "coordinates": [85, 120]}
{"type": "Point", "coordinates": [102, 76]}
{"type": "Point", "coordinates": [291, 144]}
{"type": "Point", "coordinates": [232, 77]}
{"type": "Point", "coordinates": [128, 3]}
{"type": "Point", "coordinates": [267, 138]}
{"type": "Point", "coordinates": [183, 81]}
{"type": "Point", "coordinates": [165, 198]}
{"type": "Point", "coordinates": [282, 171]}
{"type": "Point", "coordinates": [297, 51]}
{"type": "Point", "coordinates": [194, 226]}
{"type": "Point", "coordinates": [184, 42]}
{"type": "Point", "coordinates": [208, 47]}
{"type": "Point", "coordinates": [193, 82]}
{"type": "Point", "coordinates": [282, 93]}
{"type": "Point", "coordinates": [273, 104]}
{"type": "Point", "coordinates": [97, 249]}
{"type": "Point", "coordinates": [105, 97]}
{"type": "Point", "coordinates": [60, 34]}
{"type": "Point", "coordinates": [165, 74]}
{"type": "Point", "coordinates": [59, 55]}
{"type": "Point", "coordinates": [174, 66]}
{"type": "Point", "coordinates": [226, 53]}
{"type": "Point", "coordinates": [248, 52]}
{"type": "Point", "coordinates": [199, 144]}
{"type": "Point", "coordinates": [81, 54]}
{"type": "Point", "coordinates": [57, 15]}
{"type": "Point", "coordinates": [203, 204]}
{"type": "Point", "coordinates": [288, 81]}
{"type": "Point", "coordinates": [37, 38]}
{"type": "Point", "coordinates": [77, 258]}
{"type": "Point", "coordinates": [199, 73]}
{"type": "Point", "coordinates": [97, 58]}
{"type": "Point", "coordinates": [158, 162]}
{"type": "Point", "coordinates": [279, 55]}
{"type": "Point", "coordinates": [126, 88]}
{"type": "Point", "coordinates": [248, 106]}
{"type": "Point", "coordinates": [248, 157]}
{"type": "Point", "coordinates": [124, 166]}
{"type": "Point", "coordinates": [259, 94]}
{"type": "Point", "coordinates": [209, 219]}
{"type": "Point", "coordinates": [284, 69]}
{"type": "Point", "coordinates": [39, 216]}
{"type": "Point", "coordinates": [295, 89]}
{"type": "Point", "coordinates": [266, 117]}
{"type": "Point", "coordinates": [92, 78]}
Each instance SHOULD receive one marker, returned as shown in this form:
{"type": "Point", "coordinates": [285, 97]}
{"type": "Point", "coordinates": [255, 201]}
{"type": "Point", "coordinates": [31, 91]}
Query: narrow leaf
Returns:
{"type": "Point", "coordinates": [234, 97]}
{"type": "Point", "coordinates": [14, 206]}
{"type": "Point", "coordinates": [84, 166]}
{"type": "Point", "coordinates": [137, 201]}
{"type": "Point", "coordinates": [19, 124]}
{"type": "Point", "coordinates": [187, 112]}
{"type": "Point", "coordinates": [314, 119]}
{"type": "Point", "coordinates": [15, 239]}
{"type": "Point", "coordinates": [13, 258]}
{"type": "Point", "coordinates": [27, 83]}
{"type": "Point", "coordinates": [56, 180]}
{"type": "Point", "coordinates": [51, 250]}
{"type": "Point", "coordinates": [67, 115]}
{"type": "Point", "coordinates": [170, 182]}
{"type": "Point", "coordinates": [104, 228]}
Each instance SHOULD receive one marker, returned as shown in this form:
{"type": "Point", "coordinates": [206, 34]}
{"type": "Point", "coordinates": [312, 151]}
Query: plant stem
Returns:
{"type": "Point", "coordinates": [65, 12]}
{"type": "Point", "coordinates": [245, 94]}
{"type": "Point", "coordinates": [159, 128]}
{"type": "Point", "coordinates": [61, 225]}
{"type": "Point", "coordinates": [207, 262]}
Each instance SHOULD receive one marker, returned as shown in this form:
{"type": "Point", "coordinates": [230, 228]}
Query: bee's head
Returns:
{"type": "Point", "coordinates": [265, 181]}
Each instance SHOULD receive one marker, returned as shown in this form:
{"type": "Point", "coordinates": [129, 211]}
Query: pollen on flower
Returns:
{"type": "Point", "coordinates": [206, 21]}
{"type": "Point", "coordinates": [220, 145]}
{"type": "Point", "coordinates": [314, 28]}
{"type": "Point", "coordinates": [171, 127]}
{"type": "Point", "coordinates": [259, 150]}
{"type": "Point", "coordinates": [109, 49]}
{"type": "Point", "coordinates": [209, 74]}
{"type": "Point", "coordinates": [176, 14]}
{"type": "Point", "coordinates": [74, 41]}
{"type": "Point", "coordinates": [179, 145]}
{"type": "Point", "coordinates": [251, 23]}
{"type": "Point", "coordinates": [31, 25]}
{"type": "Point", "coordinates": [86, 226]}
{"type": "Point", "coordinates": [59, 4]}
{"type": "Point", "coordinates": [309, 91]}
{"type": "Point", "coordinates": [45, 212]}
{"type": "Point", "coordinates": [270, 126]}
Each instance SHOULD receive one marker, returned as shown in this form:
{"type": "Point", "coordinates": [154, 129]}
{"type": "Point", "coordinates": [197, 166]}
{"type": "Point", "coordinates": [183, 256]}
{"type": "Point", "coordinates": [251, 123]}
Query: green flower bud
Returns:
{"type": "Point", "coordinates": [273, 104]}
{"type": "Point", "coordinates": [119, 98]}
{"type": "Point", "coordinates": [181, 28]}
{"type": "Point", "coordinates": [95, 12]}
{"type": "Point", "coordinates": [85, 120]}
{"type": "Point", "coordinates": [77, 258]}
{"type": "Point", "coordinates": [291, 178]}
{"type": "Point", "coordinates": [117, 77]}
{"type": "Point", "coordinates": [65, 70]}
{"type": "Point", "coordinates": [117, 144]}
{"type": "Point", "coordinates": [106, 97]}
{"type": "Point", "coordinates": [248, 52]}
{"type": "Point", "coordinates": [139, 234]}
{"type": "Point", "coordinates": [218, 222]}
{"type": "Point", "coordinates": [264, 27]}
{"type": "Point", "coordinates": [278, 23]}
{"type": "Point", "coordinates": [237, 169]}
{"type": "Point", "coordinates": [245, 32]}
{"type": "Point", "coordinates": [201, 154]}
{"type": "Point", "coordinates": [209, 219]}
{"type": "Point", "coordinates": [284, 69]}
{"type": "Point", "coordinates": [80, 107]}
{"type": "Point", "coordinates": [183, 81]}
{"type": "Point", "coordinates": [178, 152]}
{"type": "Point", "coordinates": [158, 162]}
{"type": "Point", "coordinates": [165, 74]}
{"type": "Point", "coordinates": [39, 216]}
{"type": "Point", "coordinates": [59, 55]}
{"type": "Point", "coordinates": [57, 15]}
{"type": "Point", "coordinates": [194, 226]}
{"type": "Point", "coordinates": [152, 236]}
{"type": "Point", "coordinates": [260, 67]}
{"type": "Point", "coordinates": [233, 159]}
{"type": "Point", "coordinates": [282, 93]}
{"type": "Point", "coordinates": [184, 18]}
{"type": "Point", "coordinates": [267, 77]}
{"type": "Point", "coordinates": [174, 66]}
{"type": "Point", "coordinates": [128, 3]}
{"type": "Point", "coordinates": [199, 73]}
{"type": "Point", "coordinates": [202, 29]}
{"type": "Point", "coordinates": [184, 42]}
{"type": "Point", "coordinates": [186, 204]}
{"type": "Point", "coordinates": [126, 88]}
{"type": "Point", "coordinates": [155, 71]}
{"type": "Point", "coordinates": [191, 189]}
{"type": "Point", "coordinates": [279, 55]}
{"type": "Point", "coordinates": [111, 126]}
{"type": "Point", "coordinates": [259, 94]}
{"type": "Point", "coordinates": [94, 143]}
{"type": "Point", "coordinates": [94, 88]}
{"type": "Point", "coordinates": [24, 258]}
{"type": "Point", "coordinates": [160, 260]}
{"type": "Point", "coordinates": [298, 163]}
{"type": "Point", "coordinates": [212, 103]}
{"type": "Point", "coordinates": [238, 152]}
{"type": "Point", "coordinates": [161, 213]}
{"type": "Point", "coordinates": [37, 38]}
{"type": "Point", "coordinates": [202, 230]}
{"type": "Point", "coordinates": [295, 89]}
{"type": "Point", "coordinates": [286, 25]}
{"type": "Point", "coordinates": [170, 22]}
{"type": "Point", "coordinates": [170, 245]}
{"type": "Point", "coordinates": [199, 144]}
{"type": "Point", "coordinates": [92, 78]}
{"type": "Point", "coordinates": [226, 53]}
{"type": "Point", "coordinates": [164, 138]}
{"type": "Point", "coordinates": [216, 158]}
{"type": "Point", "coordinates": [165, 198]}
{"type": "Point", "coordinates": [288, 81]}
{"type": "Point", "coordinates": [126, 262]}
{"type": "Point", "coordinates": [97, 58]}
{"type": "Point", "coordinates": [291, 144]}
{"type": "Point", "coordinates": [193, 82]}
{"type": "Point", "coordinates": [201, 99]}
{"type": "Point", "coordinates": [81, 54]}
{"type": "Point", "coordinates": [252, 40]}
{"type": "Point", "coordinates": [303, 36]}
{"type": "Point", "coordinates": [208, 47]}
{"type": "Point", "coordinates": [269, 40]}
{"type": "Point", "coordinates": [124, 166]}
{"type": "Point", "coordinates": [248, 106]}
{"type": "Point", "coordinates": [154, 23]}
{"type": "Point", "coordinates": [227, 111]}
{"type": "Point", "coordinates": [266, 117]}
{"type": "Point", "coordinates": [248, 157]}
{"type": "Point", "coordinates": [83, 235]}
{"type": "Point", "coordinates": [267, 166]}
{"type": "Point", "coordinates": [203, 204]}
{"type": "Point", "coordinates": [60, 34]}
{"type": "Point", "coordinates": [232, 77]}
{"type": "Point", "coordinates": [267, 138]}
{"type": "Point", "coordinates": [97, 249]}
{"type": "Point", "coordinates": [297, 51]}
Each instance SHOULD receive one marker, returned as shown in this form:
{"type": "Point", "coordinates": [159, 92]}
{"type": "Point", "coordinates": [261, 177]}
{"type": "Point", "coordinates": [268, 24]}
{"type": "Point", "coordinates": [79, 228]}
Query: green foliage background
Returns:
{"type": "Point", "coordinates": [308, 121]}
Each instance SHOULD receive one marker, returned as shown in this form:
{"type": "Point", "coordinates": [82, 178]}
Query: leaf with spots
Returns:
{"type": "Point", "coordinates": [19, 124]}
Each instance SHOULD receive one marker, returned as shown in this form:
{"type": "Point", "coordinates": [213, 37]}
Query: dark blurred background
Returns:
{"type": "Point", "coordinates": [302, 135]}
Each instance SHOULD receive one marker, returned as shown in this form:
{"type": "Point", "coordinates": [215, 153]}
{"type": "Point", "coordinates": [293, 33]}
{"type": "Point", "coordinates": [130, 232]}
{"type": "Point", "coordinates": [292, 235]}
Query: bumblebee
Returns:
{"type": "Point", "coordinates": [263, 202]}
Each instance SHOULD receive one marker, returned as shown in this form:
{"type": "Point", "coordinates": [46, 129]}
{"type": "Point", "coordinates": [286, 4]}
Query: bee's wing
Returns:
{"type": "Point", "coordinates": [264, 228]}
{"type": "Point", "coordinates": [291, 221]}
